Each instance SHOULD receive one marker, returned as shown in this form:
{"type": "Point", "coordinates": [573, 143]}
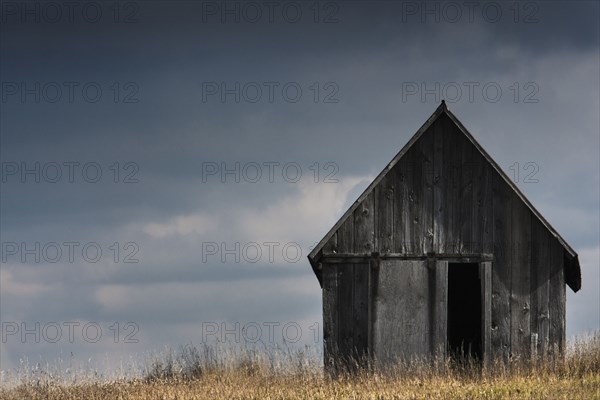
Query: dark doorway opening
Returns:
{"type": "Point", "coordinates": [464, 311]}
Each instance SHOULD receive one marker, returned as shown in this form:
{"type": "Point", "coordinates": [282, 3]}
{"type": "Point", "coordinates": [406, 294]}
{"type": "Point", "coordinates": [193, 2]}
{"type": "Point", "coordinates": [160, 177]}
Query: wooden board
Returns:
{"type": "Point", "coordinates": [360, 312]}
{"type": "Point", "coordinates": [373, 294]}
{"type": "Point", "coordinates": [364, 225]}
{"type": "Point", "coordinates": [451, 187]}
{"type": "Point", "coordinates": [384, 222]}
{"type": "Point", "coordinates": [331, 247]}
{"type": "Point", "coordinates": [423, 184]}
{"type": "Point", "coordinates": [501, 280]}
{"type": "Point", "coordinates": [440, 310]}
{"type": "Point", "coordinates": [464, 204]}
{"type": "Point", "coordinates": [486, 310]}
{"type": "Point", "coordinates": [439, 188]}
{"type": "Point", "coordinates": [345, 237]}
{"type": "Point", "coordinates": [478, 194]}
{"type": "Point", "coordinates": [401, 326]}
{"type": "Point", "coordinates": [402, 235]}
{"type": "Point", "coordinates": [520, 279]}
{"type": "Point", "coordinates": [482, 217]}
{"type": "Point", "coordinates": [330, 316]}
{"type": "Point", "coordinates": [345, 312]}
{"type": "Point", "coordinates": [556, 304]}
{"type": "Point", "coordinates": [486, 208]}
{"type": "Point", "coordinates": [540, 284]}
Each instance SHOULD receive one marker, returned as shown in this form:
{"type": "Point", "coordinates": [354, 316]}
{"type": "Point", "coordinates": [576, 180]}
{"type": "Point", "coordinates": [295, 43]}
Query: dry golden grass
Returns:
{"type": "Point", "coordinates": [576, 376]}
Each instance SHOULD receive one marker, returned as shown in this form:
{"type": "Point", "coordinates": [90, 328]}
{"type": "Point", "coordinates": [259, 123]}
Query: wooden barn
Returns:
{"type": "Point", "coordinates": [442, 255]}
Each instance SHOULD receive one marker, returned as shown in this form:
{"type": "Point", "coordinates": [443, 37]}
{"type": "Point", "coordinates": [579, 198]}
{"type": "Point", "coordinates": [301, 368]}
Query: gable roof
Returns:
{"type": "Point", "coordinates": [572, 267]}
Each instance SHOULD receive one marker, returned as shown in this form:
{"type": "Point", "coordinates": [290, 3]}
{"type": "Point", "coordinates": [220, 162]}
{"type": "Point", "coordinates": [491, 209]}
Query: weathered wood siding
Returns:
{"type": "Point", "coordinates": [501, 271]}
{"type": "Point", "coordinates": [437, 198]}
{"type": "Point", "coordinates": [442, 199]}
{"type": "Point", "coordinates": [439, 316]}
{"type": "Point", "coordinates": [345, 313]}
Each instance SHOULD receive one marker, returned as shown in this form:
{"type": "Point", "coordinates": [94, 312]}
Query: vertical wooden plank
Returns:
{"type": "Point", "coordinates": [477, 175]}
{"type": "Point", "coordinates": [364, 226]}
{"type": "Point", "coordinates": [486, 310]}
{"type": "Point", "coordinates": [451, 197]}
{"type": "Point", "coordinates": [563, 304]}
{"type": "Point", "coordinates": [465, 200]}
{"type": "Point", "coordinates": [534, 277]}
{"type": "Point", "coordinates": [373, 295]}
{"type": "Point", "coordinates": [414, 184]}
{"type": "Point", "coordinates": [520, 279]}
{"type": "Point", "coordinates": [540, 276]}
{"type": "Point", "coordinates": [501, 279]}
{"type": "Point", "coordinates": [345, 237]}
{"type": "Point", "coordinates": [487, 205]}
{"type": "Point", "coordinates": [345, 313]}
{"type": "Point", "coordinates": [360, 311]}
{"type": "Point", "coordinates": [440, 327]}
{"type": "Point", "coordinates": [330, 316]}
{"type": "Point", "coordinates": [544, 294]}
{"type": "Point", "coordinates": [439, 187]}
{"type": "Point", "coordinates": [421, 304]}
{"type": "Point", "coordinates": [331, 247]}
{"type": "Point", "coordinates": [424, 183]}
{"type": "Point", "coordinates": [482, 216]}
{"type": "Point", "coordinates": [384, 201]}
{"type": "Point", "coordinates": [557, 296]}
{"type": "Point", "coordinates": [385, 324]}
{"type": "Point", "coordinates": [402, 170]}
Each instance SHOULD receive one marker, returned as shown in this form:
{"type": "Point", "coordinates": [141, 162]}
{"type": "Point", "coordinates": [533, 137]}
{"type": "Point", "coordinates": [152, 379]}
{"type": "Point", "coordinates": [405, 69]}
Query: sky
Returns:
{"type": "Point", "coordinates": [168, 166]}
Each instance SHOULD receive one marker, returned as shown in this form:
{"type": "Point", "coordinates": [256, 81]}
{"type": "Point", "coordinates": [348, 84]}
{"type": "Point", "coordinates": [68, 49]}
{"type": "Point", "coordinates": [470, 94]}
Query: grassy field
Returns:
{"type": "Point", "coordinates": [198, 374]}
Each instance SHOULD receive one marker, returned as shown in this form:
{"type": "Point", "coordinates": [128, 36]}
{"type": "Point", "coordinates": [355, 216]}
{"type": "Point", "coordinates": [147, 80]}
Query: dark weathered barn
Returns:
{"type": "Point", "coordinates": [442, 254]}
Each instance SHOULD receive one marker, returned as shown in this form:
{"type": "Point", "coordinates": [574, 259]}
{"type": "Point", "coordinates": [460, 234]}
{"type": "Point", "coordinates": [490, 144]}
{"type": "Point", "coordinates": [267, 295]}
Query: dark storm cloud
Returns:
{"type": "Point", "coordinates": [169, 52]}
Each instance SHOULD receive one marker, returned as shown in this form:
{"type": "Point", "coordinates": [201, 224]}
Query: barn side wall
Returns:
{"type": "Point", "coordinates": [444, 198]}
{"type": "Point", "coordinates": [528, 286]}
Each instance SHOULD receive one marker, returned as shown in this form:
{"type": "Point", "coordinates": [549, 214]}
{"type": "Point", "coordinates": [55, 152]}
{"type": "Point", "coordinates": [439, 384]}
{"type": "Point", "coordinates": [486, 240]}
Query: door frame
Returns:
{"type": "Point", "coordinates": [441, 302]}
